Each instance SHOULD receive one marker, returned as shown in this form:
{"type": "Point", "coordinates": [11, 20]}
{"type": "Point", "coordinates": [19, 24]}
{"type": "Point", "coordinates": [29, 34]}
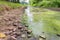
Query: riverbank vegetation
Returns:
{"type": "Point", "coordinates": [10, 4]}
{"type": "Point", "coordinates": [45, 3]}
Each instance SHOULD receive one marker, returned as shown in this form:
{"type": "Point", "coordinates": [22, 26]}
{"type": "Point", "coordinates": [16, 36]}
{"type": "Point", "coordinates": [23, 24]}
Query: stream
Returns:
{"type": "Point", "coordinates": [38, 26]}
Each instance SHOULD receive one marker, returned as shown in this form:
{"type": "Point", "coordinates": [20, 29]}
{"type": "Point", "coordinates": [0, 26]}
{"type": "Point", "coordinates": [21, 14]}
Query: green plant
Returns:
{"type": "Point", "coordinates": [45, 3]}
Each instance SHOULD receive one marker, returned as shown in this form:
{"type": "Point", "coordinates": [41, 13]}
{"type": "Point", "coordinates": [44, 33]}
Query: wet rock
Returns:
{"type": "Point", "coordinates": [58, 35]}
{"type": "Point", "coordinates": [42, 37]}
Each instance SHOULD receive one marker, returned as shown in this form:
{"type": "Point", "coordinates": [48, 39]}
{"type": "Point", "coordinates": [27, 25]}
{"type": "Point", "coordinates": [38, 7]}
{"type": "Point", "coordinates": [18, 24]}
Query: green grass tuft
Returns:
{"type": "Point", "coordinates": [11, 4]}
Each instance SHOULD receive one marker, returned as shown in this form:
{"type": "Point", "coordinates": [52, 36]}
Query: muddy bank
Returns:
{"type": "Point", "coordinates": [10, 25]}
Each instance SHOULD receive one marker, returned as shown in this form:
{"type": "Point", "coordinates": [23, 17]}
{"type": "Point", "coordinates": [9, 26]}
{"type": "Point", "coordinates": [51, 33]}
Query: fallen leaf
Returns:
{"type": "Point", "coordinates": [2, 35]}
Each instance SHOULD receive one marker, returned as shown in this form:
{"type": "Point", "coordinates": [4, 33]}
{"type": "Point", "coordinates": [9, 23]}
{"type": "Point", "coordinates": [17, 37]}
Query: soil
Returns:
{"type": "Point", "coordinates": [11, 26]}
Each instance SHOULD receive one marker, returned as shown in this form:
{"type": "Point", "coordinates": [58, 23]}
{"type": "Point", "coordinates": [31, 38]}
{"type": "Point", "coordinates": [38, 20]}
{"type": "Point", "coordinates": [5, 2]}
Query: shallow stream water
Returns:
{"type": "Point", "coordinates": [36, 22]}
{"type": "Point", "coordinates": [38, 26]}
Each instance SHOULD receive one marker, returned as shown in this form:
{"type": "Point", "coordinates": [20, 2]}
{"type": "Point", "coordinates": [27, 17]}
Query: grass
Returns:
{"type": "Point", "coordinates": [45, 3]}
{"type": "Point", "coordinates": [11, 4]}
{"type": "Point", "coordinates": [51, 20]}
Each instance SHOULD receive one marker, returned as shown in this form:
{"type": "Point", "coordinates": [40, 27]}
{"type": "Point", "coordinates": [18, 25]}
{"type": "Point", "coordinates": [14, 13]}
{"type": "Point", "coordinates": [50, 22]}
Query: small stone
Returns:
{"type": "Point", "coordinates": [29, 31]}
{"type": "Point", "coordinates": [13, 37]}
{"type": "Point", "coordinates": [18, 33]}
{"type": "Point", "coordinates": [5, 19]}
{"type": "Point", "coordinates": [10, 19]}
{"type": "Point", "coordinates": [14, 33]}
{"type": "Point", "coordinates": [15, 24]}
{"type": "Point", "coordinates": [11, 28]}
{"type": "Point", "coordinates": [23, 35]}
{"type": "Point", "coordinates": [14, 29]}
{"type": "Point", "coordinates": [29, 36]}
{"type": "Point", "coordinates": [42, 36]}
{"type": "Point", "coordinates": [25, 29]}
{"type": "Point", "coordinates": [22, 30]}
{"type": "Point", "coordinates": [19, 27]}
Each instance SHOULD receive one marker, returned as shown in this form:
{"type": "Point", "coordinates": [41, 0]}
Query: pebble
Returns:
{"type": "Point", "coordinates": [25, 29]}
{"type": "Point", "coordinates": [10, 31]}
{"type": "Point", "coordinates": [10, 19]}
{"type": "Point", "coordinates": [58, 35]}
{"type": "Point", "coordinates": [29, 31]}
{"type": "Point", "coordinates": [20, 27]}
{"type": "Point", "coordinates": [5, 19]}
{"type": "Point", "coordinates": [22, 30]}
{"type": "Point", "coordinates": [18, 33]}
{"type": "Point", "coordinates": [14, 29]}
{"type": "Point", "coordinates": [14, 33]}
{"type": "Point", "coordinates": [23, 35]}
{"type": "Point", "coordinates": [15, 24]}
{"type": "Point", "coordinates": [29, 36]}
{"type": "Point", "coordinates": [13, 37]}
